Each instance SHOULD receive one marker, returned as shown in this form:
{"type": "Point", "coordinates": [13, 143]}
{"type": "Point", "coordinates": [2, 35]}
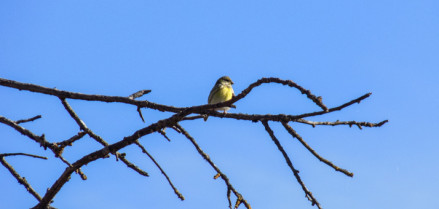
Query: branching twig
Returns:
{"type": "Point", "coordinates": [39, 139]}
{"type": "Point", "coordinates": [290, 164]}
{"type": "Point", "coordinates": [99, 139]}
{"type": "Point", "coordinates": [179, 195]}
{"type": "Point", "coordinates": [81, 124]}
{"type": "Point", "coordinates": [65, 176]}
{"type": "Point", "coordinates": [20, 179]}
{"type": "Point", "coordinates": [207, 158]}
{"type": "Point", "coordinates": [180, 114]}
{"type": "Point", "coordinates": [327, 162]}
{"type": "Point", "coordinates": [70, 141]}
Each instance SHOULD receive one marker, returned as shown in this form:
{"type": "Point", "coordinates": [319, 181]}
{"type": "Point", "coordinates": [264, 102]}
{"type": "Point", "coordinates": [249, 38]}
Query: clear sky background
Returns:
{"type": "Point", "coordinates": [338, 49]}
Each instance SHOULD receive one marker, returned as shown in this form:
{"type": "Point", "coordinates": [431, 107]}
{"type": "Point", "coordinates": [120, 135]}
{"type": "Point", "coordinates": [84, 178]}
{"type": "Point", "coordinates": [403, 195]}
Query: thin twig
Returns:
{"type": "Point", "coordinates": [81, 124]}
{"type": "Point", "coordinates": [39, 139]}
{"type": "Point", "coordinates": [132, 166]}
{"type": "Point", "coordinates": [350, 123]}
{"type": "Point", "coordinates": [69, 142]}
{"type": "Point", "coordinates": [28, 120]}
{"type": "Point", "coordinates": [140, 113]}
{"type": "Point", "coordinates": [308, 194]}
{"type": "Point", "coordinates": [24, 154]}
{"type": "Point", "coordinates": [207, 158]}
{"type": "Point", "coordinates": [20, 179]}
{"type": "Point", "coordinates": [179, 195]}
{"type": "Point", "coordinates": [99, 139]}
{"type": "Point", "coordinates": [327, 162]}
{"type": "Point", "coordinates": [194, 117]}
{"type": "Point", "coordinates": [163, 133]}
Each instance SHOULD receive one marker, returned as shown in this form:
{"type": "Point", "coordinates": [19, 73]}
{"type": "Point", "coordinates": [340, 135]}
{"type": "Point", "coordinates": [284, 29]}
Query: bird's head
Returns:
{"type": "Point", "coordinates": [225, 80]}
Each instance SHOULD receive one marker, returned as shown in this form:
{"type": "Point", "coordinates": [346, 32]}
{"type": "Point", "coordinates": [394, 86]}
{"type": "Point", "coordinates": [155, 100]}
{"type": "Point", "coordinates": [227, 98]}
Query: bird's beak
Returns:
{"type": "Point", "coordinates": [232, 82]}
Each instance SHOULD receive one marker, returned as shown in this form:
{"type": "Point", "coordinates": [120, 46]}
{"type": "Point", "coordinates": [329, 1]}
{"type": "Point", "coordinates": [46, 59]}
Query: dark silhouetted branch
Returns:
{"type": "Point", "coordinates": [327, 162]}
{"type": "Point", "coordinates": [308, 194]}
{"type": "Point", "coordinates": [81, 123]}
{"type": "Point", "coordinates": [179, 195]}
{"type": "Point", "coordinates": [69, 142]}
{"type": "Point", "coordinates": [163, 133]}
{"type": "Point", "coordinates": [102, 153]}
{"type": "Point", "coordinates": [24, 154]}
{"type": "Point", "coordinates": [180, 114]}
{"type": "Point", "coordinates": [14, 173]}
{"type": "Point", "coordinates": [39, 139]}
{"type": "Point", "coordinates": [99, 139]}
{"type": "Point", "coordinates": [131, 165]}
{"type": "Point", "coordinates": [206, 157]}
{"type": "Point", "coordinates": [349, 123]}
{"type": "Point", "coordinates": [317, 100]}
{"type": "Point", "coordinates": [28, 120]}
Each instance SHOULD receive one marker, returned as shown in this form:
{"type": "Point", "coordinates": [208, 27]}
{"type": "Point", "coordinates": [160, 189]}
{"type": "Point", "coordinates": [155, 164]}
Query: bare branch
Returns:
{"type": "Point", "coordinates": [207, 158]}
{"type": "Point", "coordinates": [131, 165]}
{"type": "Point", "coordinates": [140, 113]}
{"type": "Point", "coordinates": [20, 179]}
{"type": "Point", "coordinates": [24, 154]}
{"type": "Point", "coordinates": [163, 133]}
{"type": "Point", "coordinates": [350, 123]}
{"type": "Point", "coordinates": [39, 139]}
{"type": "Point", "coordinates": [327, 162]}
{"type": "Point", "coordinates": [81, 124]}
{"type": "Point", "coordinates": [181, 114]}
{"type": "Point", "coordinates": [99, 139]}
{"type": "Point", "coordinates": [317, 100]}
{"type": "Point", "coordinates": [290, 164]}
{"type": "Point", "coordinates": [87, 97]}
{"type": "Point", "coordinates": [279, 117]}
{"type": "Point", "coordinates": [28, 120]}
{"type": "Point", "coordinates": [54, 189]}
{"type": "Point", "coordinates": [151, 105]}
{"type": "Point", "coordinates": [179, 195]}
{"type": "Point", "coordinates": [70, 141]}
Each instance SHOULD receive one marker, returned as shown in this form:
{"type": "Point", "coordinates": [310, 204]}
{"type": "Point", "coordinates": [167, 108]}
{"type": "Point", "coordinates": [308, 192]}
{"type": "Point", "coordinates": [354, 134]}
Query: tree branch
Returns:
{"type": "Point", "coordinates": [65, 176]}
{"type": "Point", "coordinates": [327, 162]}
{"type": "Point", "coordinates": [20, 179]}
{"type": "Point", "coordinates": [308, 194]}
{"type": "Point", "coordinates": [28, 120]}
{"type": "Point", "coordinates": [206, 157]}
{"type": "Point", "coordinates": [180, 114]}
{"type": "Point", "coordinates": [350, 123]}
{"type": "Point", "coordinates": [131, 165]}
{"type": "Point", "coordinates": [179, 195]}
{"type": "Point", "coordinates": [24, 154]}
{"type": "Point", "coordinates": [39, 139]}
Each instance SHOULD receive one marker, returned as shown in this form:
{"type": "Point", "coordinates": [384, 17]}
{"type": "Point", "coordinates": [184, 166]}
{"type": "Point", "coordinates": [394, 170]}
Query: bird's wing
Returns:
{"type": "Point", "coordinates": [214, 90]}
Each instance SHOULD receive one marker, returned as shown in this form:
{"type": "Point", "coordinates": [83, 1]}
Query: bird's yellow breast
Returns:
{"type": "Point", "coordinates": [223, 94]}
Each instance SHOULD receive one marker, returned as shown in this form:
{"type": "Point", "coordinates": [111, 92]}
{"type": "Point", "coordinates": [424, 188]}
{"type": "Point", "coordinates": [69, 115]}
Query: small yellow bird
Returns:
{"type": "Point", "coordinates": [221, 92]}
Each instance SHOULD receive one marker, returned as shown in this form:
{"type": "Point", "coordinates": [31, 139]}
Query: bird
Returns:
{"type": "Point", "coordinates": [221, 92]}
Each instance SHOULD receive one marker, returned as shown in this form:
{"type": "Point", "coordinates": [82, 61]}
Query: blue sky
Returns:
{"type": "Point", "coordinates": [339, 50]}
